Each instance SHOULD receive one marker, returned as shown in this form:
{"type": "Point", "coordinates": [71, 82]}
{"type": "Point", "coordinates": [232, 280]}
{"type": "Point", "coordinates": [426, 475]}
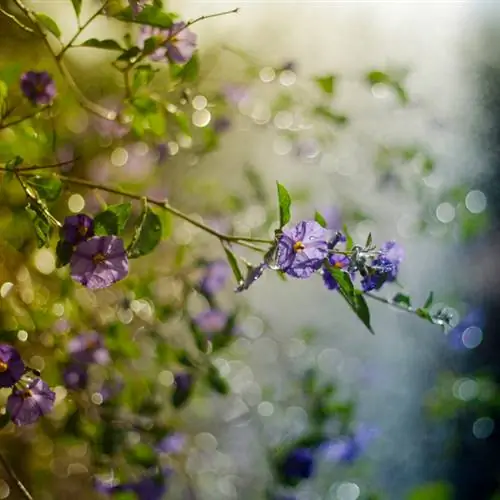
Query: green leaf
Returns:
{"type": "Point", "coordinates": [424, 314]}
{"type": "Point", "coordinates": [107, 44]}
{"type": "Point", "coordinates": [42, 226]}
{"type": "Point", "coordinates": [48, 187]}
{"type": "Point", "coordinates": [284, 202]}
{"type": "Point", "coordinates": [77, 5]}
{"type": "Point", "coordinates": [353, 297]}
{"type": "Point", "coordinates": [12, 164]}
{"type": "Point", "coordinates": [129, 54]}
{"type": "Point", "coordinates": [330, 115]}
{"type": "Point", "coordinates": [147, 234]}
{"type": "Point", "coordinates": [320, 219]}
{"type": "Point", "coordinates": [401, 298]}
{"type": "Point", "coordinates": [428, 165]}
{"type": "Point", "coordinates": [113, 220]}
{"type": "Point", "coordinates": [326, 83]}
{"type": "Point", "coordinates": [233, 262]}
{"type": "Point", "coordinates": [150, 15]}
{"type": "Point", "coordinates": [143, 455]}
{"type": "Point", "coordinates": [64, 251]}
{"type": "Point", "coordinates": [4, 419]}
{"type": "Point", "coordinates": [216, 381]}
{"type": "Point", "coordinates": [376, 76]}
{"type": "Point", "coordinates": [429, 301]}
{"type": "Point", "coordinates": [143, 76]}
{"type": "Point", "coordinates": [49, 24]}
{"type": "Point", "coordinates": [369, 241]}
{"type": "Point", "coordinates": [432, 491]}
{"type": "Point", "coordinates": [349, 241]}
{"type": "Point", "coordinates": [4, 90]}
{"type": "Point", "coordinates": [188, 72]}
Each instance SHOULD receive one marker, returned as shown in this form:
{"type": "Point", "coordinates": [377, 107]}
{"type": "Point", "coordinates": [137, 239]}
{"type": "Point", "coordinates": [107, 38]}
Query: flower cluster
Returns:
{"type": "Point", "coordinates": [95, 261]}
{"type": "Point", "coordinates": [31, 398]}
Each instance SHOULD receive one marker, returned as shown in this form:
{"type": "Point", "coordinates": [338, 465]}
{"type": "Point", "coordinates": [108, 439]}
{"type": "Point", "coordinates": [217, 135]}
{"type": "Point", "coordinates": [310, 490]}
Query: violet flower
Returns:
{"type": "Point", "coordinates": [215, 276]}
{"type": "Point", "coordinates": [38, 87]}
{"type": "Point", "coordinates": [77, 228]}
{"type": "Point", "coordinates": [88, 348]}
{"type": "Point", "coordinates": [211, 321]}
{"type": "Point", "coordinates": [75, 376]}
{"type": "Point", "coordinates": [11, 366]}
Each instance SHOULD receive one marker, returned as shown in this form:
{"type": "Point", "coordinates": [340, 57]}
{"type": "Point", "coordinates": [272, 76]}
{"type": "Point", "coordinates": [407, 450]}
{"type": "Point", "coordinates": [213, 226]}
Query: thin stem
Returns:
{"type": "Point", "coordinates": [42, 167]}
{"type": "Point", "coordinates": [22, 119]}
{"type": "Point", "coordinates": [209, 16]}
{"type": "Point", "coordinates": [16, 20]}
{"type": "Point", "coordinates": [80, 29]}
{"type": "Point", "coordinates": [10, 471]}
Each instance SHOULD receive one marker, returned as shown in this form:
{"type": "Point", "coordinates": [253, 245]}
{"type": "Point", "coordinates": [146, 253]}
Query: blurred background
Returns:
{"type": "Point", "coordinates": [410, 155]}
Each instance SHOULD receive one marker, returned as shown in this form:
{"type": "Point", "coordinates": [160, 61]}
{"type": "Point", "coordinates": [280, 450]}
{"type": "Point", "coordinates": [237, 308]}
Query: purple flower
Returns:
{"type": "Point", "coordinates": [211, 321]}
{"type": "Point", "coordinates": [215, 275]}
{"type": "Point", "coordinates": [99, 262]}
{"type": "Point", "coordinates": [88, 348]}
{"type": "Point", "coordinates": [298, 465]}
{"type": "Point", "coordinates": [302, 249]}
{"type": "Point", "coordinates": [221, 124]}
{"type": "Point", "coordinates": [235, 93]}
{"type": "Point", "coordinates": [162, 152]}
{"type": "Point", "coordinates": [172, 443]}
{"type": "Point", "coordinates": [38, 87]}
{"type": "Point", "coordinates": [26, 406]}
{"type": "Point", "coordinates": [11, 366]}
{"type": "Point", "coordinates": [111, 388]}
{"type": "Point", "coordinates": [183, 385]}
{"type": "Point", "coordinates": [347, 449]}
{"type": "Point", "coordinates": [339, 262]}
{"type": "Point", "coordinates": [332, 216]}
{"type": "Point", "coordinates": [112, 129]}
{"type": "Point", "coordinates": [77, 228]}
{"type": "Point", "coordinates": [75, 376]}
{"type": "Point", "coordinates": [384, 267]}
{"type": "Point", "coordinates": [147, 488]}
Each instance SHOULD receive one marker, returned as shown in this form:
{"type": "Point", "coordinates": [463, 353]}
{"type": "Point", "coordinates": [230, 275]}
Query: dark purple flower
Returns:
{"type": "Point", "coordinates": [147, 488]}
{"type": "Point", "coordinates": [75, 376]}
{"type": "Point", "coordinates": [302, 249]}
{"type": "Point", "coordinates": [384, 267]}
{"type": "Point", "coordinates": [347, 449]}
{"type": "Point", "coordinates": [338, 262]}
{"type": "Point", "coordinates": [77, 228]}
{"type": "Point", "coordinates": [88, 348]}
{"type": "Point", "coordinates": [298, 464]}
{"type": "Point", "coordinates": [99, 262]}
{"type": "Point", "coordinates": [183, 386]}
{"type": "Point", "coordinates": [26, 406]}
{"type": "Point", "coordinates": [221, 124]}
{"type": "Point", "coordinates": [111, 388]}
{"type": "Point", "coordinates": [11, 366]}
{"type": "Point", "coordinates": [215, 276]}
{"type": "Point", "coordinates": [38, 87]}
{"type": "Point", "coordinates": [172, 443]}
{"type": "Point", "coordinates": [211, 321]}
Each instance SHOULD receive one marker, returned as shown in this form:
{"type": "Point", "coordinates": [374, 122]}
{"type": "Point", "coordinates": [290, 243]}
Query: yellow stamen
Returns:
{"type": "Point", "coordinates": [82, 230]}
{"type": "Point", "coordinates": [98, 258]}
{"type": "Point", "coordinates": [338, 265]}
{"type": "Point", "coordinates": [26, 394]}
{"type": "Point", "coordinates": [3, 367]}
{"type": "Point", "coordinates": [299, 246]}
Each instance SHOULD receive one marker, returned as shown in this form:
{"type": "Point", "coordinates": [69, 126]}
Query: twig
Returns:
{"type": "Point", "coordinates": [22, 119]}
{"type": "Point", "coordinates": [16, 20]}
{"type": "Point", "coordinates": [13, 476]}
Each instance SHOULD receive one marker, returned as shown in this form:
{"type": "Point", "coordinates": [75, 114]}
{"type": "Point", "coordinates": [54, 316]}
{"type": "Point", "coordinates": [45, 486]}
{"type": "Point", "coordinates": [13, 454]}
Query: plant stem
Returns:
{"type": "Point", "coordinates": [22, 119]}
{"type": "Point", "coordinates": [10, 471]}
{"type": "Point", "coordinates": [16, 20]}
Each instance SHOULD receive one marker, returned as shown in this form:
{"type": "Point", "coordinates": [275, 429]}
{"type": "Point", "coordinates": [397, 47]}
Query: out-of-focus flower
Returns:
{"type": "Point", "coordinates": [215, 276]}
{"type": "Point", "coordinates": [172, 443]}
{"type": "Point", "coordinates": [88, 348]}
{"type": "Point", "coordinates": [75, 376]}
{"type": "Point", "coordinates": [332, 216]}
{"type": "Point", "coordinates": [347, 449]}
{"type": "Point", "coordinates": [99, 262]}
{"type": "Point", "coordinates": [183, 385]}
{"type": "Point", "coordinates": [137, 5]}
{"type": "Point", "coordinates": [235, 93]}
{"type": "Point", "coordinates": [221, 124]}
{"type": "Point", "coordinates": [163, 152]}
{"type": "Point", "coordinates": [298, 464]}
{"type": "Point", "coordinates": [384, 267]}
{"type": "Point", "coordinates": [27, 405]}
{"type": "Point", "coordinates": [77, 228]}
{"type": "Point", "coordinates": [211, 321]}
{"type": "Point", "coordinates": [11, 366]}
{"type": "Point", "coordinates": [110, 129]}
{"type": "Point", "coordinates": [38, 87]}
{"type": "Point", "coordinates": [147, 488]}
{"type": "Point", "coordinates": [66, 154]}
{"type": "Point", "coordinates": [111, 388]}
{"type": "Point", "coordinates": [176, 44]}
{"type": "Point", "coordinates": [302, 249]}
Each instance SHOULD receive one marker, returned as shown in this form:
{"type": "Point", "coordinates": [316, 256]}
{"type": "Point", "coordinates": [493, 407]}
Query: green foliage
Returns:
{"type": "Point", "coordinates": [77, 6]}
{"type": "Point", "coordinates": [64, 251]}
{"type": "Point", "coordinates": [150, 15]}
{"type": "Point", "coordinates": [49, 24]}
{"type": "Point", "coordinates": [330, 115]}
{"type": "Point", "coordinates": [186, 73]}
{"type": "Point", "coordinates": [48, 187]}
{"type": "Point", "coordinates": [320, 219]}
{"type": "Point", "coordinates": [216, 381]}
{"type": "Point", "coordinates": [401, 298]}
{"type": "Point", "coordinates": [233, 262]}
{"type": "Point", "coordinates": [148, 233]}
{"type": "Point", "coordinates": [107, 44]}
{"type": "Point", "coordinates": [113, 220]}
{"type": "Point", "coordinates": [326, 83]}
{"type": "Point", "coordinates": [381, 77]}
{"type": "Point", "coordinates": [284, 204]}
{"type": "Point", "coordinates": [432, 491]}
{"type": "Point", "coordinates": [41, 224]}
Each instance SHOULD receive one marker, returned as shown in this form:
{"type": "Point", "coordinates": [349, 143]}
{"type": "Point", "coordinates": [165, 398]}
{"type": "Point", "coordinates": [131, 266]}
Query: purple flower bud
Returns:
{"type": "Point", "coordinates": [88, 348]}
{"type": "Point", "coordinates": [298, 464]}
{"type": "Point", "coordinates": [26, 406]}
{"type": "Point", "coordinates": [339, 262]}
{"type": "Point", "coordinates": [211, 321]}
{"type": "Point", "coordinates": [99, 262]}
{"type": "Point", "coordinates": [11, 366]}
{"type": "Point", "coordinates": [77, 228]}
{"type": "Point", "coordinates": [183, 385]}
{"type": "Point", "coordinates": [302, 249]}
{"type": "Point", "coordinates": [215, 276]}
{"type": "Point", "coordinates": [38, 87]}
{"type": "Point", "coordinates": [75, 376]}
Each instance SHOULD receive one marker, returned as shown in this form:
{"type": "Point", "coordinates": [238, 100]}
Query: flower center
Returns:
{"type": "Point", "coordinates": [299, 246]}
{"type": "Point", "coordinates": [3, 366]}
{"type": "Point", "coordinates": [338, 265]}
{"type": "Point", "coordinates": [98, 258]}
{"type": "Point", "coordinates": [26, 394]}
{"type": "Point", "coordinates": [82, 230]}
{"type": "Point", "coordinates": [91, 344]}
{"type": "Point", "coordinates": [39, 88]}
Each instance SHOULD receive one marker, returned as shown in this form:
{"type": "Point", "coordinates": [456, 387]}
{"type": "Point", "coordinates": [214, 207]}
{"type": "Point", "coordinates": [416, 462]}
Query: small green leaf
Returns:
{"type": "Point", "coordinates": [330, 115]}
{"type": "Point", "coordinates": [143, 76]}
{"type": "Point", "coordinates": [216, 381]}
{"type": "Point", "coordinates": [374, 77]}
{"type": "Point", "coordinates": [150, 15]}
{"type": "Point", "coordinates": [42, 226]}
{"type": "Point", "coordinates": [353, 297]}
{"type": "Point", "coordinates": [64, 251]}
{"type": "Point", "coordinates": [432, 491]}
{"type": "Point", "coordinates": [113, 220]}
{"type": "Point", "coordinates": [320, 219]}
{"type": "Point", "coordinates": [4, 90]}
{"type": "Point", "coordinates": [77, 5]}
{"type": "Point", "coordinates": [284, 202]}
{"type": "Point", "coordinates": [48, 187]}
{"type": "Point", "coordinates": [12, 164]}
{"type": "Point", "coordinates": [233, 262]}
{"type": "Point", "coordinates": [147, 234]}
{"type": "Point", "coordinates": [424, 314]}
{"type": "Point", "coordinates": [428, 165]}
{"type": "Point", "coordinates": [369, 241]}
{"type": "Point", "coordinates": [106, 44]}
{"type": "Point", "coordinates": [401, 298]}
{"type": "Point", "coordinates": [349, 241]}
{"type": "Point", "coordinates": [129, 54]}
{"type": "Point", "coordinates": [188, 72]}
{"type": "Point", "coordinates": [326, 83]}
{"type": "Point", "coordinates": [4, 419]}
{"type": "Point", "coordinates": [49, 24]}
{"type": "Point", "coordinates": [429, 301]}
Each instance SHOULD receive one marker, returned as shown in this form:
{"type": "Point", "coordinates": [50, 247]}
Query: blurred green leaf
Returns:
{"type": "Point", "coordinates": [4, 419]}
{"type": "Point", "coordinates": [429, 301]}
{"type": "Point", "coordinates": [48, 187]}
{"type": "Point", "coordinates": [143, 76]}
{"type": "Point", "coordinates": [107, 44]}
{"type": "Point", "coordinates": [43, 227]}
{"type": "Point", "coordinates": [326, 83]}
{"type": "Point", "coordinates": [432, 491]}
{"type": "Point", "coordinates": [216, 381]}
{"type": "Point", "coordinates": [320, 219]}
{"type": "Point", "coordinates": [330, 115]}
{"type": "Point", "coordinates": [147, 235]}
{"type": "Point", "coordinates": [129, 54]}
{"type": "Point", "coordinates": [77, 6]}
{"type": "Point", "coordinates": [424, 314]}
{"type": "Point", "coordinates": [233, 262]}
{"type": "Point", "coordinates": [284, 204]}
{"type": "Point", "coordinates": [255, 181]}
{"type": "Point", "coordinates": [113, 220]}
{"type": "Point", "coordinates": [401, 298]}
{"type": "Point", "coordinates": [48, 23]}
{"type": "Point", "coordinates": [188, 72]}
{"type": "Point", "coordinates": [150, 15]}
{"type": "Point", "coordinates": [380, 77]}
{"type": "Point", "coordinates": [64, 251]}
{"type": "Point", "coordinates": [143, 455]}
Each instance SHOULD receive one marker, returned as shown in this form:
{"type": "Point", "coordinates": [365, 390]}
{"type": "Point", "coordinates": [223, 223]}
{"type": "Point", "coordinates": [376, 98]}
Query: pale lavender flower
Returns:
{"type": "Point", "coordinates": [211, 321]}
{"type": "Point", "coordinates": [215, 276]}
{"type": "Point", "coordinates": [172, 443]}
{"type": "Point", "coordinates": [88, 348]}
